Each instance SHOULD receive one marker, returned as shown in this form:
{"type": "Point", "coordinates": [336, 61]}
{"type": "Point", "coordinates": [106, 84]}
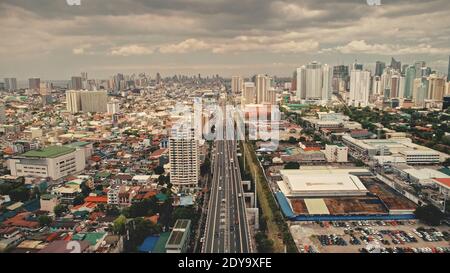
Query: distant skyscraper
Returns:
{"type": "Point", "coordinates": [410, 75]}
{"type": "Point", "coordinates": [340, 71]}
{"type": "Point", "coordinates": [397, 65]}
{"type": "Point", "coordinates": [404, 67]}
{"type": "Point", "coordinates": [84, 80]}
{"type": "Point", "coordinates": [76, 83]}
{"type": "Point", "coordinates": [10, 84]}
{"type": "Point", "coordinates": [376, 85]}
{"type": "Point", "coordinates": [86, 101]}
{"type": "Point", "coordinates": [34, 83]}
{"type": "Point", "coordinates": [294, 81]}
{"type": "Point", "coordinates": [420, 91]}
{"type": "Point", "coordinates": [45, 88]}
{"type": "Point", "coordinates": [327, 78]}
{"type": "Point", "coordinates": [340, 78]}
{"type": "Point", "coordinates": [94, 101]}
{"type": "Point", "coordinates": [314, 81]}
{"type": "Point", "coordinates": [158, 78]}
{"type": "Point", "coordinates": [262, 84]}
{"type": "Point", "coordinates": [418, 65]}
{"type": "Point", "coordinates": [271, 96]}
{"type": "Point", "coordinates": [356, 66]}
{"type": "Point", "coordinates": [401, 87]}
{"type": "Point", "coordinates": [448, 73]}
{"type": "Point", "coordinates": [395, 85]}
{"type": "Point", "coordinates": [301, 83]}
{"type": "Point", "coordinates": [426, 71]}
{"type": "Point", "coordinates": [249, 93]}
{"type": "Point", "coordinates": [436, 87]}
{"type": "Point", "coordinates": [73, 101]}
{"type": "Point", "coordinates": [236, 84]}
{"type": "Point", "coordinates": [379, 68]}
{"type": "Point", "coordinates": [359, 87]}
{"type": "Point", "coordinates": [184, 155]}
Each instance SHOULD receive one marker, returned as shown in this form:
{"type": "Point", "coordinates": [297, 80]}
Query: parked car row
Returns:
{"type": "Point", "coordinates": [308, 249]}
{"type": "Point", "coordinates": [408, 250]}
{"type": "Point", "coordinates": [327, 240]}
{"type": "Point", "coordinates": [431, 235]}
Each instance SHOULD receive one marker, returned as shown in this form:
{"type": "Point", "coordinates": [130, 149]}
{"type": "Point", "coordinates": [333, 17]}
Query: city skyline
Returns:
{"type": "Point", "coordinates": [222, 37]}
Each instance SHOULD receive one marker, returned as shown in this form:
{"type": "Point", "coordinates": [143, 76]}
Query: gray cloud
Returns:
{"type": "Point", "coordinates": [215, 33]}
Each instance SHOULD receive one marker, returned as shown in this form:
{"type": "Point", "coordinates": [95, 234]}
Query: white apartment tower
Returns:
{"type": "Point", "coordinates": [94, 101]}
{"type": "Point", "coordinates": [436, 87]}
{"type": "Point", "coordinates": [359, 87]}
{"type": "Point", "coordinates": [73, 101]}
{"type": "Point", "coordinates": [314, 82]}
{"type": "Point", "coordinates": [10, 84]}
{"type": "Point", "coordinates": [237, 84]}
{"type": "Point", "coordinates": [301, 83]}
{"type": "Point", "coordinates": [262, 85]}
{"type": "Point", "coordinates": [327, 79]}
{"type": "Point", "coordinates": [86, 101]}
{"type": "Point", "coordinates": [184, 155]}
{"type": "Point", "coordinates": [336, 153]}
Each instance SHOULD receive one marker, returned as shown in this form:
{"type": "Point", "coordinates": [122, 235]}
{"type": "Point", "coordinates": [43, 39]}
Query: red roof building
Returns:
{"type": "Point", "coordinates": [445, 182]}
{"type": "Point", "coordinates": [96, 199]}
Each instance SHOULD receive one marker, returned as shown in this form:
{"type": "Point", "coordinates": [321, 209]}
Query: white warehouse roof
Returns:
{"type": "Point", "coordinates": [298, 183]}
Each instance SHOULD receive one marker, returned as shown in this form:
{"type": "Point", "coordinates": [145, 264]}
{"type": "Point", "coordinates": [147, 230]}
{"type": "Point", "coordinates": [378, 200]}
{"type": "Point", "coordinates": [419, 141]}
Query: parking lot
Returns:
{"type": "Point", "coordinates": [370, 236]}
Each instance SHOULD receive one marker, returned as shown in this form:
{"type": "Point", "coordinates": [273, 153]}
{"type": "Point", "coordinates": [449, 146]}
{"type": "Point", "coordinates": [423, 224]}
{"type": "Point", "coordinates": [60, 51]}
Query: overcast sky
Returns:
{"type": "Point", "coordinates": [52, 40]}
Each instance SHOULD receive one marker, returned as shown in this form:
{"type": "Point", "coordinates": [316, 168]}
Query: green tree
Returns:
{"type": "Point", "coordinates": [429, 214]}
{"type": "Point", "coordinates": [112, 210]}
{"type": "Point", "coordinates": [59, 210]}
{"type": "Point", "coordinates": [78, 200]}
{"type": "Point", "coordinates": [44, 220]}
{"type": "Point", "coordinates": [143, 208]}
{"type": "Point", "coordinates": [292, 140]}
{"type": "Point", "coordinates": [21, 194]}
{"type": "Point", "coordinates": [119, 225]}
{"type": "Point", "coordinates": [205, 167]}
{"type": "Point", "coordinates": [85, 190]}
{"type": "Point", "coordinates": [183, 213]}
{"type": "Point", "coordinates": [139, 229]}
{"type": "Point", "coordinates": [263, 244]}
{"type": "Point", "coordinates": [163, 179]}
{"type": "Point", "coordinates": [159, 170]}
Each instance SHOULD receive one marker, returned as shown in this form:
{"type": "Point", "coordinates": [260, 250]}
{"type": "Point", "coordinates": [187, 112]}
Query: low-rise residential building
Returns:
{"type": "Point", "coordinates": [48, 202]}
{"type": "Point", "coordinates": [336, 153]}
